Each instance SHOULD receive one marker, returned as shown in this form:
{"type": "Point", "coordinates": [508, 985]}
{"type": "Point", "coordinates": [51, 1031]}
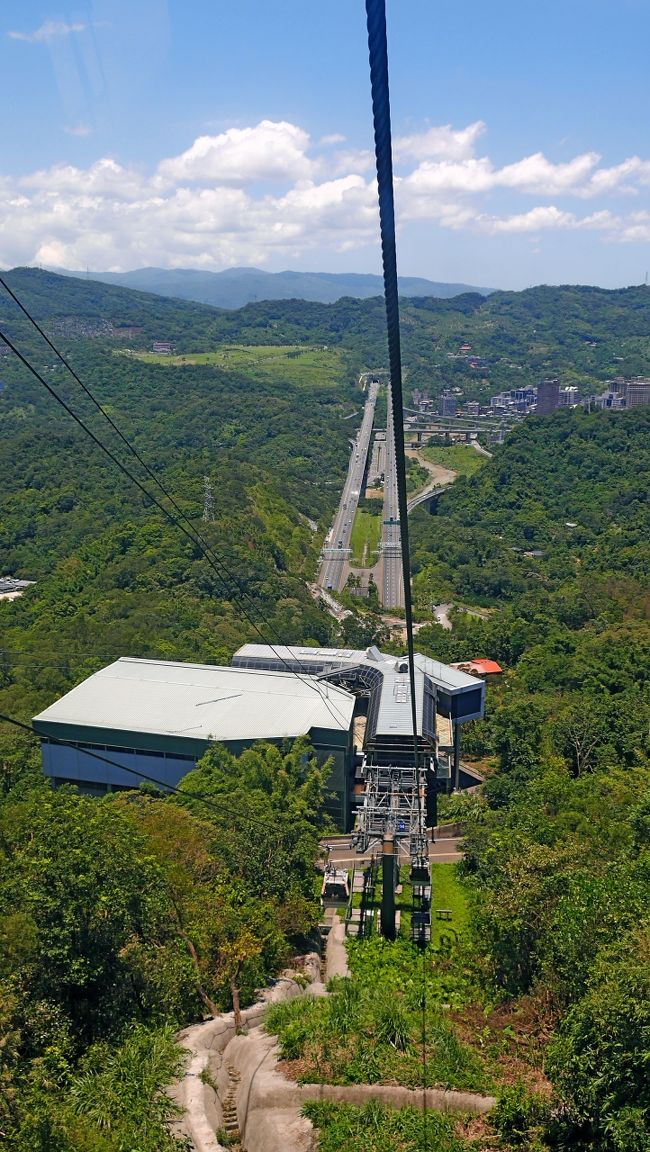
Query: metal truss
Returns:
{"type": "Point", "coordinates": [394, 802]}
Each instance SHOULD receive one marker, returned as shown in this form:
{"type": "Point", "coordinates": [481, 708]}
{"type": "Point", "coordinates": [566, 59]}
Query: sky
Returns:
{"type": "Point", "coordinates": [223, 133]}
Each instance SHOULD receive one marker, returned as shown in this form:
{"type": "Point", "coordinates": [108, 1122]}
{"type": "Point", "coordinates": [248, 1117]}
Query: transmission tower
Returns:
{"type": "Point", "coordinates": [208, 499]}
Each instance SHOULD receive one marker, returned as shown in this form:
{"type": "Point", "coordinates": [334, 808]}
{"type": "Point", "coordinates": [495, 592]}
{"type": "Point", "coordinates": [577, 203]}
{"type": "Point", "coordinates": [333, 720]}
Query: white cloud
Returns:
{"type": "Point", "coordinates": [50, 30]}
{"type": "Point", "coordinates": [538, 175]}
{"type": "Point", "coordinates": [534, 175]}
{"type": "Point", "coordinates": [246, 195]}
{"type": "Point", "coordinates": [78, 130]}
{"type": "Point", "coordinates": [536, 220]}
{"type": "Point", "coordinates": [269, 151]}
{"type": "Point", "coordinates": [445, 141]}
{"type": "Point", "coordinates": [341, 163]}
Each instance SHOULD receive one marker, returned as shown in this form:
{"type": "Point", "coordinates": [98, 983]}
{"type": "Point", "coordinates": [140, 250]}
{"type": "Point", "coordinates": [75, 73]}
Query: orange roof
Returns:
{"type": "Point", "coordinates": [486, 666]}
{"type": "Point", "coordinates": [481, 667]}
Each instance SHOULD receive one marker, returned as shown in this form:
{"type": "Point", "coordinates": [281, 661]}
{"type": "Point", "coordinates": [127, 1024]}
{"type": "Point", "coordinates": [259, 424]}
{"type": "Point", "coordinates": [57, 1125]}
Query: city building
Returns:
{"type": "Point", "coordinates": [447, 404]}
{"type": "Point", "coordinates": [638, 392]}
{"type": "Point", "coordinates": [515, 400]}
{"type": "Point", "coordinates": [548, 396]}
{"type": "Point", "coordinates": [569, 397]}
{"type": "Point", "coordinates": [608, 399]}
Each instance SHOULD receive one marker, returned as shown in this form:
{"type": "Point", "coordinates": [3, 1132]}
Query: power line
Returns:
{"type": "Point", "coordinates": [163, 785]}
{"type": "Point", "coordinates": [215, 562]}
{"type": "Point", "coordinates": [106, 760]}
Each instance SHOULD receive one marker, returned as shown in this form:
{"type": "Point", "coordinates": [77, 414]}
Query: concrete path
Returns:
{"type": "Point", "coordinates": [336, 957]}
{"type": "Point", "coordinates": [233, 1084]}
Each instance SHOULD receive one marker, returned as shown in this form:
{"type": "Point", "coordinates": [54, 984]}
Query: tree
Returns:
{"type": "Point", "coordinates": [599, 1061]}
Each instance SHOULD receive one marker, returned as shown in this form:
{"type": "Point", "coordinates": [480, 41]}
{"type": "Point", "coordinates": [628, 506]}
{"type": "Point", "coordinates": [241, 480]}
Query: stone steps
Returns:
{"type": "Point", "coordinates": [229, 1106]}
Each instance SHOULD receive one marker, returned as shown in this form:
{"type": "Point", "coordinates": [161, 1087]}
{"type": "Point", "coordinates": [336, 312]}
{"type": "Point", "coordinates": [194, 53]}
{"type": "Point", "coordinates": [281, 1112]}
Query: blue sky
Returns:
{"type": "Point", "coordinates": [209, 134]}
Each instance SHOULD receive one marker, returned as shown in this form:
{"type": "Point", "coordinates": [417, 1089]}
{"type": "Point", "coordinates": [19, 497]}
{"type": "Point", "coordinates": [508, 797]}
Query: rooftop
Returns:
{"type": "Point", "coordinates": [201, 702]}
{"type": "Point", "coordinates": [482, 666]}
{"type": "Point", "coordinates": [393, 716]}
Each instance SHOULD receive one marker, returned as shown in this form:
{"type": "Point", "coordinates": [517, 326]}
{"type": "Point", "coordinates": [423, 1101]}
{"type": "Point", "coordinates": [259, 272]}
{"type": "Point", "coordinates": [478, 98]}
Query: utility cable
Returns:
{"type": "Point", "coordinates": [207, 549]}
{"type": "Point", "coordinates": [378, 54]}
{"type": "Point", "coordinates": [163, 785]}
{"type": "Point", "coordinates": [215, 562]}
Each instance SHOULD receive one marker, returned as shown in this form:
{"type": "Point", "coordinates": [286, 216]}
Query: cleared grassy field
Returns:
{"type": "Point", "coordinates": [458, 457]}
{"type": "Point", "coordinates": [366, 534]}
{"type": "Point", "coordinates": [297, 364]}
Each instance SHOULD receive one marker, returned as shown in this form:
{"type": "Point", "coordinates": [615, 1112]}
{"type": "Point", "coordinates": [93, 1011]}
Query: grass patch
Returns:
{"type": "Point", "coordinates": [368, 1031]}
{"type": "Point", "coordinates": [458, 457]}
{"type": "Point", "coordinates": [299, 365]}
{"type": "Point", "coordinates": [375, 1128]}
{"type": "Point", "coordinates": [447, 892]}
{"type": "Point", "coordinates": [417, 477]}
{"type": "Point", "coordinates": [366, 534]}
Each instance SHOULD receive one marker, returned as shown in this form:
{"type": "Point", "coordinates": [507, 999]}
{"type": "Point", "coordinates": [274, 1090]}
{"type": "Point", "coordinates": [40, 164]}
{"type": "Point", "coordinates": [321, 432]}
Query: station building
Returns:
{"type": "Point", "coordinates": [154, 718]}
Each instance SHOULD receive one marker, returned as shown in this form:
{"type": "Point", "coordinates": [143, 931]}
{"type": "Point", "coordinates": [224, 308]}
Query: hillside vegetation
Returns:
{"type": "Point", "coordinates": [122, 918]}
{"type": "Point", "coordinates": [552, 537]}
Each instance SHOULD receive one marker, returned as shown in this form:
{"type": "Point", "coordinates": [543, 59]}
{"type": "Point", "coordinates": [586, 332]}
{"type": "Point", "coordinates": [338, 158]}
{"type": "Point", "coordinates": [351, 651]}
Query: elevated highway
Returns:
{"type": "Point", "coordinates": [391, 582]}
{"type": "Point", "coordinates": [335, 554]}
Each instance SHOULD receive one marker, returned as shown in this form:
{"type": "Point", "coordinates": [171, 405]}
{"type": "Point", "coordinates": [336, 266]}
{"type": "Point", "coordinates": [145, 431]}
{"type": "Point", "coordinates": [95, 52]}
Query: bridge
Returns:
{"type": "Point", "coordinates": [427, 494]}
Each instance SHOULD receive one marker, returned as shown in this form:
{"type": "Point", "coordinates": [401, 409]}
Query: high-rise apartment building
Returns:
{"type": "Point", "coordinates": [548, 396]}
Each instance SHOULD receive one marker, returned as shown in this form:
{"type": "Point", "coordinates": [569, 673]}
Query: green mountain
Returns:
{"type": "Point", "coordinates": [235, 287]}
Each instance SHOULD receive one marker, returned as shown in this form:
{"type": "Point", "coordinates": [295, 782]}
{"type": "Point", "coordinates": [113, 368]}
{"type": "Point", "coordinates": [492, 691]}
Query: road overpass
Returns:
{"type": "Point", "coordinates": [336, 551]}
{"type": "Point", "coordinates": [427, 494]}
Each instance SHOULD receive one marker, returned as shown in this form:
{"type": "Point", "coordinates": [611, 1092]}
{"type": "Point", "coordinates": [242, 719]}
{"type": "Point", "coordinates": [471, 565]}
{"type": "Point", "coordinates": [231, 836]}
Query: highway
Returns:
{"type": "Point", "coordinates": [335, 553]}
{"type": "Point", "coordinates": [391, 589]}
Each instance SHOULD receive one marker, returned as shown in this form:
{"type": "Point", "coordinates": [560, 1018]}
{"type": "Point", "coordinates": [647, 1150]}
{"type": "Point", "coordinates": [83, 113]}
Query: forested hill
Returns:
{"type": "Point", "coordinates": [562, 505]}
{"type": "Point", "coordinates": [585, 335]}
{"type": "Point", "coordinates": [569, 484]}
{"type": "Point", "coordinates": [546, 551]}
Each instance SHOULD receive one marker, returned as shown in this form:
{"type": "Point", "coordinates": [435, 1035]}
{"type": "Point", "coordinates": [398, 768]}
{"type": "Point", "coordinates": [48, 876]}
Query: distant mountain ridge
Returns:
{"type": "Point", "coordinates": [235, 287]}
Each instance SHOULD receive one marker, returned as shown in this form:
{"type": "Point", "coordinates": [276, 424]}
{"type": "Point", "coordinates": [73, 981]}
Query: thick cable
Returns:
{"type": "Point", "coordinates": [378, 54]}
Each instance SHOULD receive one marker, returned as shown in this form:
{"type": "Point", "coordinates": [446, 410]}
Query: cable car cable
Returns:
{"type": "Point", "coordinates": [215, 562]}
{"type": "Point", "coordinates": [378, 55]}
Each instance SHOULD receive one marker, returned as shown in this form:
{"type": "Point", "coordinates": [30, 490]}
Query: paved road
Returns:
{"type": "Point", "coordinates": [391, 587]}
{"type": "Point", "coordinates": [336, 550]}
{"type": "Point", "coordinates": [444, 851]}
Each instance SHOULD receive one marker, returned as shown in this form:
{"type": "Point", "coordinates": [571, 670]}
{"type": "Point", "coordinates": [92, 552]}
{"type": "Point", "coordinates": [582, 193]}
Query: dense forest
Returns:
{"type": "Point", "coordinates": [122, 919]}
{"type": "Point", "coordinates": [545, 553]}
